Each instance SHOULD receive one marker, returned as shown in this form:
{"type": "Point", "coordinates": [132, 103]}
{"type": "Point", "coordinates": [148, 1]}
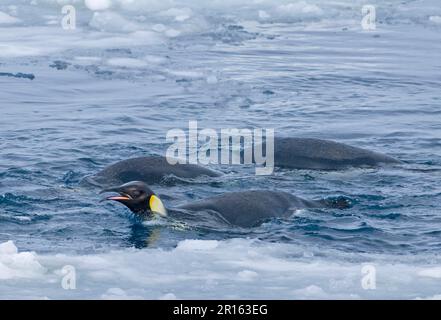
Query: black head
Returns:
{"type": "Point", "coordinates": [138, 197]}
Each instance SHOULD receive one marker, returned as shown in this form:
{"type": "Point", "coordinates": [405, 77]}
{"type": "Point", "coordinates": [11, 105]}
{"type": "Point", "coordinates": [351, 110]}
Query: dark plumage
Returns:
{"type": "Point", "coordinates": [309, 153]}
{"type": "Point", "coordinates": [244, 209]}
{"type": "Point", "coordinates": [147, 169]}
{"type": "Point", "coordinates": [249, 208]}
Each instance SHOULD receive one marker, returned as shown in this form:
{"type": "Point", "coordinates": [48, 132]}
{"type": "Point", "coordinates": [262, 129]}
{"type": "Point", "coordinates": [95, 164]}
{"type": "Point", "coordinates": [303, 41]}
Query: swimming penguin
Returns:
{"type": "Point", "coordinates": [150, 169]}
{"type": "Point", "coordinates": [319, 154]}
{"type": "Point", "coordinates": [244, 209]}
{"type": "Point", "coordinates": [291, 153]}
{"type": "Point", "coordinates": [138, 197]}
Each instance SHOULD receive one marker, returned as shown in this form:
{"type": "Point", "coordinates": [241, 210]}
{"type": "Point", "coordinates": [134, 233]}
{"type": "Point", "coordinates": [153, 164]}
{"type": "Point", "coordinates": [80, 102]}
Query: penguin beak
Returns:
{"type": "Point", "coordinates": [121, 197]}
{"type": "Point", "coordinates": [118, 198]}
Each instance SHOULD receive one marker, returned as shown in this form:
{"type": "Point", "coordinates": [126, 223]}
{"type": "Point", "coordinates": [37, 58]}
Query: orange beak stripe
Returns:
{"type": "Point", "coordinates": [118, 198]}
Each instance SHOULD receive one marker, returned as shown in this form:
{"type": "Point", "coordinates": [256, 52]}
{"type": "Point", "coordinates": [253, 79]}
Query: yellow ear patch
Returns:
{"type": "Point", "coordinates": [156, 206]}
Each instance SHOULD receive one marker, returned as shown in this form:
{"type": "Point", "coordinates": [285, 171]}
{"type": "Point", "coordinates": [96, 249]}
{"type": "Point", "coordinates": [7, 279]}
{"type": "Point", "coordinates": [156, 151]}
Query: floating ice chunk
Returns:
{"type": "Point", "coordinates": [263, 15]}
{"type": "Point", "coordinates": [18, 265]}
{"type": "Point", "coordinates": [434, 297]}
{"type": "Point", "coordinates": [159, 27]}
{"type": "Point", "coordinates": [7, 19]}
{"type": "Point", "coordinates": [5, 272]}
{"type": "Point", "coordinates": [98, 5]}
{"type": "Point", "coordinates": [431, 272]}
{"type": "Point", "coordinates": [435, 19]}
{"type": "Point", "coordinates": [187, 74]}
{"type": "Point", "coordinates": [144, 5]}
{"type": "Point", "coordinates": [155, 59]}
{"type": "Point", "coordinates": [118, 294]}
{"type": "Point", "coordinates": [172, 33]}
{"type": "Point", "coordinates": [269, 270]}
{"type": "Point", "coordinates": [168, 296]}
{"type": "Point", "coordinates": [112, 21]}
{"type": "Point", "coordinates": [8, 248]}
{"type": "Point", "coordinates": [247, 275]}
{"type": "Point", "coordinates": [192, 245]}
{"type": "Point", "coordinates": [309, 292]}
{"type": "Point", "coordinates": [12, 50]}
{"type": "Point", "coordinates": [180, 14]}
{"type": "Point", "coordinates": [25, 261]}
{"type": "Point", "coordinates": [86, 60]}
{"type": "Point", "coordinates": [127, 63]}
{"type": "Point", "coordinates": [299, 9]}
{"type": "Point", "coordinates": [182, 18]}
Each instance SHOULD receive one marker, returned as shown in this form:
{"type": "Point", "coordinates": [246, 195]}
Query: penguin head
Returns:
{"type": "Point", "coordinates": [138, 197]}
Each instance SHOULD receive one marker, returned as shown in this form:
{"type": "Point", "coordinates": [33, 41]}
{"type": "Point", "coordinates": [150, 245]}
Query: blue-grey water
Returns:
{"type": "Point", "coordinates": [75, 101]}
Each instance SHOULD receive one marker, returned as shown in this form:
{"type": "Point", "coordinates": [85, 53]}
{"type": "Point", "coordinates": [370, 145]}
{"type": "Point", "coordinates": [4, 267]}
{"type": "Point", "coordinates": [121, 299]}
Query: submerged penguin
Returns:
{"type": "Point", "coordinates": [151, 169]}
{"type": "Point", "coordinates": [319, 154]}
{"type": "Point", "coordinates": [243, 209]}
{"type": "Point", "coordinates": [291, 153]}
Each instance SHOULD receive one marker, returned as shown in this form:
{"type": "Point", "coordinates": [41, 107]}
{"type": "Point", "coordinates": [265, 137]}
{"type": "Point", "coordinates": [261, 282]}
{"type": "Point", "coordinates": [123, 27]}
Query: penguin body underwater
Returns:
{"type": "Point", "coordinates": [319, 154]}
{"type": "Point", "coordinates": [243, 209]}
{"type": "Point", "coordinates": [290, 153]}
{"type": "Point", "coordinates": [151, 170]}
{"type": "Point", "coordinates": [250, 208]}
